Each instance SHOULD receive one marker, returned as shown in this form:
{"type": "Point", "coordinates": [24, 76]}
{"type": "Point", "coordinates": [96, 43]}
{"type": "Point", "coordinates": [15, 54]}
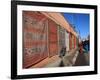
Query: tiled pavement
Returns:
{"type": "Point", "coordinates": [47, 61]}
{"type": "Point", "coordinates": [56, 61]}
{"type": "Point", "coordinates": [67, 60]}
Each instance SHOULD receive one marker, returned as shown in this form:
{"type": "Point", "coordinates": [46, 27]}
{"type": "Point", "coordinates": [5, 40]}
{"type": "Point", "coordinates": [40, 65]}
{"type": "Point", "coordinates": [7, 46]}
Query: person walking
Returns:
{"type": "Point", "coordinates": [61, 55]}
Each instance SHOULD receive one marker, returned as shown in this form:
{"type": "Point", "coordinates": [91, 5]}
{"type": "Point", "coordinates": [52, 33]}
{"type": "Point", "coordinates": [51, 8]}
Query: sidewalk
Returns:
{"type": "Point", "coordinates": [48, 62]}
{"type": "Point", "coordinates": [70, 58]}
{"type": "Point", "coordinates": [56, 61]}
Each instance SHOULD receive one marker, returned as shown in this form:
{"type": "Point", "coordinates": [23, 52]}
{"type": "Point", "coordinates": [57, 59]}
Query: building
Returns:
{"type": "Point", "coordinates": [44, 35]}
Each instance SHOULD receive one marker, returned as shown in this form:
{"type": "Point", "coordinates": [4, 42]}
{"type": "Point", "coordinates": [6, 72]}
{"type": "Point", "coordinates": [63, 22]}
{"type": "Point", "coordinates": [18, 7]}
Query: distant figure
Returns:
{"type": "Point", "coordinates": [86, 46]}
{"type": "Point", "coordinates": [81, 48]}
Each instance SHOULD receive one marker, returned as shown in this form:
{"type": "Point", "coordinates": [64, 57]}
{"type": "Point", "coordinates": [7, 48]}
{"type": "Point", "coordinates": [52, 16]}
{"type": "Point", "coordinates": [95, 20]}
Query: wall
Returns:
{"type": "Point", "coordinates": [34, 38]}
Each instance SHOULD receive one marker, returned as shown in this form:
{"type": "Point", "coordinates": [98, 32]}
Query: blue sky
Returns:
{"type": "Point", "coordinates": [80, 21]}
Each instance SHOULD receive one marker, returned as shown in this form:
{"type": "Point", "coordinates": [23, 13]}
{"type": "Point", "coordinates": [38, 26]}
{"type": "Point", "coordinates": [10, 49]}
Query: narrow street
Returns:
{"type": "Point", "coordinates": [81, 60]}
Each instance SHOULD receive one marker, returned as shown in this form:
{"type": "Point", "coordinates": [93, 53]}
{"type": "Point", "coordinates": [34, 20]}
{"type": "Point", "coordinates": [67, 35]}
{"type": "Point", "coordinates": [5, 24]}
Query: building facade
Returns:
{"type": "Point", "coordinates": [44, 35]}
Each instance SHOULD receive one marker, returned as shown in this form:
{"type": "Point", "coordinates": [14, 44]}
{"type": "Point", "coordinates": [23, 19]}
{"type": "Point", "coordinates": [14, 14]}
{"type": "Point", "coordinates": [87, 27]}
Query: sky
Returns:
{"type": "Point", "coordinates": [80, 21]}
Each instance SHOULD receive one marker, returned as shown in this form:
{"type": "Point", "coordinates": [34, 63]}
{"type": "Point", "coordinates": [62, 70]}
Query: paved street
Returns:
{"type": "Point", "coordinates": [81, 60]}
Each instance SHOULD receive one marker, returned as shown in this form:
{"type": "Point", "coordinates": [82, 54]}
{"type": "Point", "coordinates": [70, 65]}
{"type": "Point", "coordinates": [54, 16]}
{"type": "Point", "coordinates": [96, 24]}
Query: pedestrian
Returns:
{"type": "Point", "coordinates": [80, 47]}
{"type": "Point", "coordinates": [62, 52]}
{"type": "Point", "coordinates": [61, 55]}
